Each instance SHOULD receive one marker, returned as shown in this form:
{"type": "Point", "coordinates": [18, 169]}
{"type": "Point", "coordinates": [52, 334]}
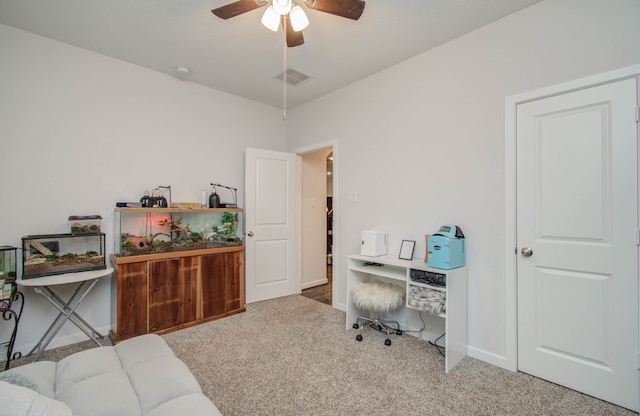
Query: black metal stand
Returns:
{"type": "Point", "coordinates": [12, 313]}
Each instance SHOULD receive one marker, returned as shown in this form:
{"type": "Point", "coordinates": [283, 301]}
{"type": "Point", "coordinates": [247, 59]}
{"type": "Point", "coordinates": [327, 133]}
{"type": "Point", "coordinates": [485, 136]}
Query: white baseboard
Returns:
{"type": "Point", "coordinates": [61, 341]}
{"type": "Point", "coordinates": [315, 283]}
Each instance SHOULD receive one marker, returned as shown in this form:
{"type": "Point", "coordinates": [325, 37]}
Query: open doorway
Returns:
{"type": "Point", "coordinates": [317, 225]}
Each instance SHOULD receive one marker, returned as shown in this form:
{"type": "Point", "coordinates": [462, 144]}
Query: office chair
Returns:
{"type": "Point", "coordinates": [377, 297]}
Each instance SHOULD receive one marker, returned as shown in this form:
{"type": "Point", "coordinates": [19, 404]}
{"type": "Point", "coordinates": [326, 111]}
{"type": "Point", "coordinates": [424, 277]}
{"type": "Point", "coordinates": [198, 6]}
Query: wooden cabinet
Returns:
{"type": "Point", "coordinates": [165, 292]}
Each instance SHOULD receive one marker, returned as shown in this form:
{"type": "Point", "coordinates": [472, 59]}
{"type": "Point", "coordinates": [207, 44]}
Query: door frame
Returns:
{"type": "Point", "coordinates": [510, 360]}
{"type": "Point", "coordinates": [333, 145]}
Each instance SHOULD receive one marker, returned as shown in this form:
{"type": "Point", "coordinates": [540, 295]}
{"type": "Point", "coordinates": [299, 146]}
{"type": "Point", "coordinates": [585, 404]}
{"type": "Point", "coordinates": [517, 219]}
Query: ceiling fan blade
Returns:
{"type": "Point", "coordinates": [293, 38]}
{"type": "Point", "coordinates": [234, 9]}
{"type": "Point", "coordinates": [351, 9]}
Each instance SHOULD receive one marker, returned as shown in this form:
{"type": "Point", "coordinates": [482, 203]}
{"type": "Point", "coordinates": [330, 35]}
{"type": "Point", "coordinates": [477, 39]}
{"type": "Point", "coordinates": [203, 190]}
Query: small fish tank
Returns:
{"type": "Point", "coordinates": [162, 230]}
{"type": "Point", "coordinates": [7, 276]}
{"type": "Point", "coordinates": [85, 224]}
{"type": "Point", "coordinates": [51, 254]}
{"type": "Point", "coordinates": [8, 263]}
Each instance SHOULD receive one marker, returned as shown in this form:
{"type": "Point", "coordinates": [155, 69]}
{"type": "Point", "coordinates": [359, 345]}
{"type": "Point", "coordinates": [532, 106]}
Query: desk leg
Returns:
{"type": "Point", "coordinates": [67, 313]}
{"type": "Point", "coordinates": [74, 315]}
{"type": "Point", "coordinates": [39, 346]}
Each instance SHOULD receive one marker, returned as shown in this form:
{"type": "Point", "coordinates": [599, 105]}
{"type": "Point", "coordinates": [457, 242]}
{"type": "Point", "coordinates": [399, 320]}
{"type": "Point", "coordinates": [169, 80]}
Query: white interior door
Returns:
{"type": "Point", "coordinates": [577, 216]}
{"type": "Point", "coordinates": [270, 224]}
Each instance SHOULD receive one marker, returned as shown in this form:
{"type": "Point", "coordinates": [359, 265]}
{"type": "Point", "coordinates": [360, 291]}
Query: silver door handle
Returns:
{"type": "Point", "coordinates": [250, 233]}
{"type": "Point", "coordinates": [526, 251]}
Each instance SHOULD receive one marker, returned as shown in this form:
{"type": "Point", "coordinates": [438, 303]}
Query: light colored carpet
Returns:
{"type": "Point", "coordinates": [293, 356]}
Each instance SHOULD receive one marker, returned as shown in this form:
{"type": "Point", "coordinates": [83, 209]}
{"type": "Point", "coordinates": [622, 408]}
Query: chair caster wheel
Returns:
{"type": "Point", "coordinates": [398, 332]}
{"type": "Point", "coordinates": [358, 337]}
{"type": "Point", "coordinates": [387, 342]}
{"type": "Point", "coordinates": [356, 326]}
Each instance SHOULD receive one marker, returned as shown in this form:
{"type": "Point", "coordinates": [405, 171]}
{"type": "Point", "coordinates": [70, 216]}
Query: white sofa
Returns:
{"type": "Point", "coordinates": [139, 376]}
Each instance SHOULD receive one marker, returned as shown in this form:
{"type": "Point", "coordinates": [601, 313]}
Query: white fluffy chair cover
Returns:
{"type": "Point", "coordinates": [377, 296]}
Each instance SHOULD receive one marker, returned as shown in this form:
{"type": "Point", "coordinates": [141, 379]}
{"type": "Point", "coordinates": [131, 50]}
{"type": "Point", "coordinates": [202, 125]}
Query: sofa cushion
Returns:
{"type": "Point", "coordinates": [140, 349]}
{"type": "Point", "coordinates": [85, 365]}
{"type": "Point", "coordinates": [161, 380]}
{"type": "Point", "coordinates": [192, 404]}
{"type": "Point", "coordinates": [106, 394]}
{"type": "Point", "coordinates": [23, 401]}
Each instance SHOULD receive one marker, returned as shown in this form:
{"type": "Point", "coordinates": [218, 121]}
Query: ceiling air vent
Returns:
{"type": "Point", "coordinates": [294, 77]}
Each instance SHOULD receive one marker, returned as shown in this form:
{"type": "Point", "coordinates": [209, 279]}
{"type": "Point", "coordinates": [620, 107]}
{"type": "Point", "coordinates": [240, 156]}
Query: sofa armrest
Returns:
{"type": "Point", "coordinates": [23, 401]}
{"type": "Point", "coordinates": [39, 376]}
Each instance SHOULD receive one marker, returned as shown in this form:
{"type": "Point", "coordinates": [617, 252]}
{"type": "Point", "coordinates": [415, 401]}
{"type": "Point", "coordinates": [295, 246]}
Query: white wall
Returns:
{"type": "Point", "coordinates": [314, 218]}
{"type": "Point", "coordinates": [80, 131]}
{"type": "Point", "coordinates": [422, 143]}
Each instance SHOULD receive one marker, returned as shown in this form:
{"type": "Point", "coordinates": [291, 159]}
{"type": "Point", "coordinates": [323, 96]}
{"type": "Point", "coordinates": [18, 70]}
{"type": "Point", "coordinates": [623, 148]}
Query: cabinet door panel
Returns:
{"type": "Point", "coordinates": [214, 272]}
{"type": "Point", "coordinates": [132, 300]}
{"type": "Point", "coordinates": [235, 287]}
{"type": "Point", "coordinates": [188, 277]}
{"type": "Point", "coordinates": [164, 294]}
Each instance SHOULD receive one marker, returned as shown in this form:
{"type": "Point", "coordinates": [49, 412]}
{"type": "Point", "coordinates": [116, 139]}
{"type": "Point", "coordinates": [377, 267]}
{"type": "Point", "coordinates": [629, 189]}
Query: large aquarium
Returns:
{"type": "Point", "coordinates": [161, 230]}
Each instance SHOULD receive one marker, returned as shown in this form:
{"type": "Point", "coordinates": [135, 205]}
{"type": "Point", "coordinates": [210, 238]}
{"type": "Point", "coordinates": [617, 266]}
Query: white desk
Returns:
{"type": "Point", "coordinates": [394, 270]}
{"type": "Point", "coordinates": [67, 310]}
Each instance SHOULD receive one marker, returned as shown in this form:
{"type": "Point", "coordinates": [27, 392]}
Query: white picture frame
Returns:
{"type": "Point", "coordinates": [406, 249]}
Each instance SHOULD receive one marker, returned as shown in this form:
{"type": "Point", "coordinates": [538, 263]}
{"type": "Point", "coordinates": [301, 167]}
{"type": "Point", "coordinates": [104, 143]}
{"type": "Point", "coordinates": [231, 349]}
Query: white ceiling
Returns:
{"type": "Point", "coordinates": [239, 55]}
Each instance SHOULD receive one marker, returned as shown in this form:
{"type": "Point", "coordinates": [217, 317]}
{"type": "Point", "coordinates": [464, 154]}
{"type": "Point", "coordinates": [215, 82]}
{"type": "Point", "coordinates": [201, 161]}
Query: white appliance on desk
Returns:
{"type": "Point", "coordinates": [373, 243]}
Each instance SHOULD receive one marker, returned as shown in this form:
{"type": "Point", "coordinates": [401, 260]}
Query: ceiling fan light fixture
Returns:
{"type": "Point", "coordinates": [283, 7]}
{"type": "Point", "coordinates": [271, 19]}
{"type": "Point", "coordinates": [299, 19]}
{"type": "Point", "coordinates": [291, 15]}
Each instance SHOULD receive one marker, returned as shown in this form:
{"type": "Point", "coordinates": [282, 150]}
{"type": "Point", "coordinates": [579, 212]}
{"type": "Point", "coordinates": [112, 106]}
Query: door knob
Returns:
{"type": "Point", "coordinates": [250, 233]}
{"type": "Point", "coordinates": [526, 251]}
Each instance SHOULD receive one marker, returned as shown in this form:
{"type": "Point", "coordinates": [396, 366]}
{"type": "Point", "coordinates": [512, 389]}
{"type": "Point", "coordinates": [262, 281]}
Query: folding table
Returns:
{"type": "Point", "coordinates": [67, 310]}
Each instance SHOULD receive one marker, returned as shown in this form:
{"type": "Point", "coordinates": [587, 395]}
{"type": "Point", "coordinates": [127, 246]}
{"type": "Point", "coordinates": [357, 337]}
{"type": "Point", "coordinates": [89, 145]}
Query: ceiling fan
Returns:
{"type": "Point", "coordinates": [291, 14]}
